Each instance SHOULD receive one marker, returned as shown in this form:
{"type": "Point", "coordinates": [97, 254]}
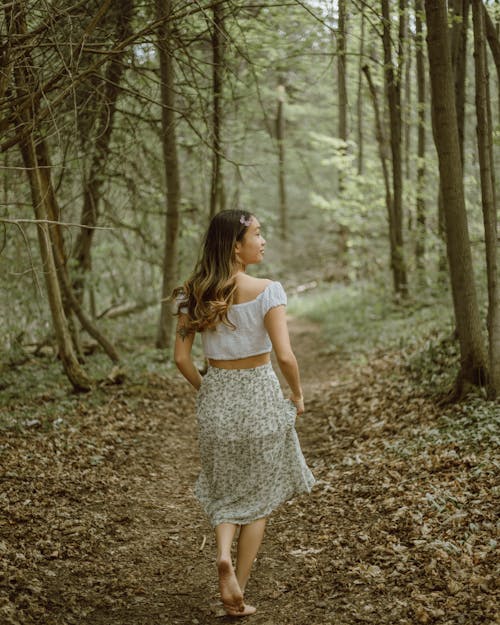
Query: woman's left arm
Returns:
{"type": "Point", "coordinates": [276, 326]}
{"type": "Point", "coordinates": [182, 352]}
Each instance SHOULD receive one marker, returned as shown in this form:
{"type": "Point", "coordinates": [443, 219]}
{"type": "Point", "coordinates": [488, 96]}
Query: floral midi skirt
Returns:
{"type": "Point", "coordinates": [251, 460]}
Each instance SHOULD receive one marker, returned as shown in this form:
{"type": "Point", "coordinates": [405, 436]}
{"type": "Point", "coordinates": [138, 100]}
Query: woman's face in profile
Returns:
{"type": "Point", "coordinates": [250, 250]}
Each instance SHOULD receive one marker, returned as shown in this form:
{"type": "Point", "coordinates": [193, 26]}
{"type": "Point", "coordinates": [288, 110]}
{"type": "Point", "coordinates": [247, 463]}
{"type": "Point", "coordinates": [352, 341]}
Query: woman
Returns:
{"type": "Point", "coordinates": [251, 460]}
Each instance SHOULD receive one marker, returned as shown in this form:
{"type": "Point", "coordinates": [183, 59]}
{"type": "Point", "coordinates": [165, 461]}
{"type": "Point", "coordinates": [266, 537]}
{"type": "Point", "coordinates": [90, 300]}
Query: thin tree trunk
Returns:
{"type": "Point", "coordinates": [459, 62]}
{"type": "Point", "coordinates": [342, 83]}
{"type": "Point", "coordinates": [421, 106]}
{"type": "Point", "coordinates": [216, 192]}
{"type": "Point", "coordinates": [359, 104]}
{"type": "Point", "coordinates": [93, 182]}
{"type": "Point", "coordinates": [171, 164]}
{"type": "Point", "coordinates": [407, 59]}
{"type": "Point", "coordinates": [72, 368]}
{"type": "Point", "coordinates": [70, 301]}
{"type": "Point", "coordinates": [57, 238]}
{"type": "Point", "coordinates": [494, 43]}
{"type": "Point", "coordinates": [486, 166]}
{"type": "Point", "coordinates": [468, 323]}
{"type": "Point", "coordinates": [393, 97]}
{"type": "Point", "coordinates": [25, 82]}
{"type": "Point", "coordinates": [458, 44]}
{"type": "Point", "coordinates": [382, 149]}
{"type": "Point", "coordinates": [280, 136]}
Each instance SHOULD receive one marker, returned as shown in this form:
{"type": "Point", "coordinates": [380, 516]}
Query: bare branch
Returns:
{"type": "Point", "coordinates": [16, 222]}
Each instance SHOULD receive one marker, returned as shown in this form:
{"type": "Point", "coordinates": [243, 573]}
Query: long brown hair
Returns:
{"type": "Point", "coordinates": [209, 292]}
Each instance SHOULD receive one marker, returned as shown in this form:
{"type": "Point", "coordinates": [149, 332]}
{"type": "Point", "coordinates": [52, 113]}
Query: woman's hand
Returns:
{"type": "Point", "coordinates": [299, 404]}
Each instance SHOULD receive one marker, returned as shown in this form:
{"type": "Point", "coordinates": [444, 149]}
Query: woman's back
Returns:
{"type": "Point", "coordinates": [248, 288]}
{"type": "Point", "coordinates": [249, 336]}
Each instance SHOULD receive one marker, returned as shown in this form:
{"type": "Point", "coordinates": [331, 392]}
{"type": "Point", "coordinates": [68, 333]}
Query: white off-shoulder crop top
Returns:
{"type": "Point", "coordinates": [250, 337]}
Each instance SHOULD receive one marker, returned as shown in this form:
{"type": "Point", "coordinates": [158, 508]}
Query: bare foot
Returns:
{"type": "Point", "coordinates": [247, 610]}
{"type": "Point", "coordinates": [230, 590]}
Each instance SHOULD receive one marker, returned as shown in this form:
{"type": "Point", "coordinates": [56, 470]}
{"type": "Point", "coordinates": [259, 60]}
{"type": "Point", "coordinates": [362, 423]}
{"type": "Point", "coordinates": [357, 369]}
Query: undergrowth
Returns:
{"type": "Point", "coordinates": [363, 320]}
{"type": "Point", "coordinates": [359, 321]}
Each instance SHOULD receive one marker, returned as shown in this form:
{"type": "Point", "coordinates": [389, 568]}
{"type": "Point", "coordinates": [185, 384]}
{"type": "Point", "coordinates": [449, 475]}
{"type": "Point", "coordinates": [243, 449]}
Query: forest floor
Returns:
{"type": "Point", "coordinates": [99, 525]}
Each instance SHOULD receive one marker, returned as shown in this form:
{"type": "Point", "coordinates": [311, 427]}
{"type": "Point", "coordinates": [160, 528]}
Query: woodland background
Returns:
{"type": "Point", "coordinates": [140, 120]}
{"type": "Point", "coordinates": [364, 136]}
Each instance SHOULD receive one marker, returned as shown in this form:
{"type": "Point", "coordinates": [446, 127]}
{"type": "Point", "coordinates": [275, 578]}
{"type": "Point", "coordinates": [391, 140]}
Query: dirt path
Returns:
{"type": "Point", "coordinates": [100, 526]}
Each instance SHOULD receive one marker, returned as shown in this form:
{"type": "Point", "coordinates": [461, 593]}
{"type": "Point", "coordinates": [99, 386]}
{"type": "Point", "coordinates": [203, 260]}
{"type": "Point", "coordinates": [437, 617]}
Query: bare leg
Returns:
{"type": "Point", "coordinates": [230, 591]}
{"type": "Point", "coordinates": [249, 541]}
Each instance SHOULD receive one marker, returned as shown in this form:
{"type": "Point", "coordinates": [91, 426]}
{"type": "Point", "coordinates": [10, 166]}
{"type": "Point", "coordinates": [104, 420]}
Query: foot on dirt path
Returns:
{"type": "Point", "coordinates": [230, 590]}
{"type": "Point", "coordinates": [247, 610]}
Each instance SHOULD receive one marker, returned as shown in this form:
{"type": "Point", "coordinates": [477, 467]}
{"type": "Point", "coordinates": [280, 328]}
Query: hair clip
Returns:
{"type": "Point", "coordinates": [247, 222]}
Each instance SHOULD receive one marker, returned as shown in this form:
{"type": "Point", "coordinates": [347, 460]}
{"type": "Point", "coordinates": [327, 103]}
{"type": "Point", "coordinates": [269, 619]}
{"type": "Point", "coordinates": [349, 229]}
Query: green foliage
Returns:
{"type": "Point", "coordinates": [38, 381]}
{"type": "Point", "coordinates": [435, 365]}
{"type": "Point", "coordinates": [361, 318]}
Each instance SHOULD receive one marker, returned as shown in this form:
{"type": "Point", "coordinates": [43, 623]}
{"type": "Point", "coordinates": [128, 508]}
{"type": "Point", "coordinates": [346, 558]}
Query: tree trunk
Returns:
{"type": "Point", "coordinates": [494, 43]}
{"type": "Point", "coordinates": [442, 259]}
{"type": "Point", "coordinates": [171, 164]}
{"type": "Point", "coordinates": [382, 149]}
{"type": "Point", "coordinates": [280, 136]}
{"type": "Point", "coordinates": [486, 166]}
{"type": "Point", "coordinates": [25, 82]}
{"type": "Point", "coordinates": [493, 40]}
{"type": "Point", "coordinates": [459, 62]}
{"type": "Point", "coordinates": [406, 60]}
{"type": "Point", "coordinates": [93, 182]}
{"type": "Point", "coordinates": [70, 301]}
{"type": "Point", "coordinates": [392, 85]}
{"type": "Point", "coordinates": [359, 104]}
{"type": "Point", "coordinates": [72, 368]}
{"type": "Point", "coordinates": [57, 238]}
{"type": "Point", "coordinates": [342, 86]}
{"type": "Point", "coordinates": [216, 187]}
{"type": "Point", "coordinates": [472, 354]}
{"type": "Point", "coordinates": [421, 106]}
{"type": "Point", "coordinates": [458, 36]}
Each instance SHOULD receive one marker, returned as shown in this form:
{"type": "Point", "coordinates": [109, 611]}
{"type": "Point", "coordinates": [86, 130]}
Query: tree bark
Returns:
{"type": "Point", "coordinates": [342, 83]}
{"type": "Point", "coordinates": [216, 187]}
{"type": "Point", "coordinates": [172, 178]}
{"type": "Point", "coordinates": [405, 62]}
{"type": "Point", "coordinates": [392, 85]}
{"type": "Point", "coordinates": [494, 43]}
{"type": "Point", "coordinates": [280, 137]}
{"type": "Point", "coordinates": [468, 324]}
{"type": "Point", "coordinates": [486, 166]}
{"type": "Point", "coordinates": [459, 62]}
{"type": "Point", "coordinates": [421, 107]}
{"type": "Point", "coordinates": [359, 103]}
{"type": "Point", "coordinates": [382, 149]}
{"type": "Point", "coordinates": [458, 35]}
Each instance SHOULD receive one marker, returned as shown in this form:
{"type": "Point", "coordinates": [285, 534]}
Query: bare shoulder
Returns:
{"type": "Point", "coordinates": [249, 288]}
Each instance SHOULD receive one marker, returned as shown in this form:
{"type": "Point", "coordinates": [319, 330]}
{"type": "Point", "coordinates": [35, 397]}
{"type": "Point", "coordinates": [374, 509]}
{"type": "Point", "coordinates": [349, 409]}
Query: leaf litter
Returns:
{"type": "Point", "coordinates": [99, 524]}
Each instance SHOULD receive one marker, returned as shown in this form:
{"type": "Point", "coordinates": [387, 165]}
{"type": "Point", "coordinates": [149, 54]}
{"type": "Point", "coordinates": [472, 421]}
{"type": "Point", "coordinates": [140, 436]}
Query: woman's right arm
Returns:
{"type": "Point", "coordinates": [276, 326]}
{"type": "Point", "coordinates": [182, 352]}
